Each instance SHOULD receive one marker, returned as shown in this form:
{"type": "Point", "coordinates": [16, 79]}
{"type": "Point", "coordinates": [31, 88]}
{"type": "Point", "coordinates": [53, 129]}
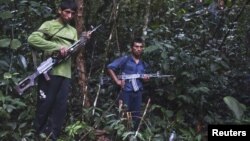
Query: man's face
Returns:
{"type": "Point", "coordinates": [66, 15]}
{"type": "Point", "coordinates": [137, 49]}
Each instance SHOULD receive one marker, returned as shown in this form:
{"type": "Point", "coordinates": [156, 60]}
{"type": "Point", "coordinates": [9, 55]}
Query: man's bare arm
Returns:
{"type": "Point", "coordinates": [115, 78]}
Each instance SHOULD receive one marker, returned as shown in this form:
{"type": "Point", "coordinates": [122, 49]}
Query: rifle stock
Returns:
{"type": "Point", "coordinates": [26, 83]}
{"type": "Point", "coordinates": [29, 81]}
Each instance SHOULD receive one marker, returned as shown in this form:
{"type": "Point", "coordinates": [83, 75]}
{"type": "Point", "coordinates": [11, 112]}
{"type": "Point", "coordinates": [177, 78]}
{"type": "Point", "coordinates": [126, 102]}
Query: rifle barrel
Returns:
{"type": "Point", "coordinates": [93, 30]}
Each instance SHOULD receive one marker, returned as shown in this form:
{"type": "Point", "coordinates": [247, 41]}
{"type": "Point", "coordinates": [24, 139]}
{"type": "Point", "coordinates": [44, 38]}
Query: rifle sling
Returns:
{"type": "Point", "coordinates": [49, 37]}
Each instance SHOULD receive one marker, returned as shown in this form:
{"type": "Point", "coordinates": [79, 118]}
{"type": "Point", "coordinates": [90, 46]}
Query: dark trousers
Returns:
{"type": "Point", "coordinates": [51, 105]}
{"type": "Point", "coordinates": [133, 101]}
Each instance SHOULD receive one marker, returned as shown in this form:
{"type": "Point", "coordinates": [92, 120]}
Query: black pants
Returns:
{"type": "Point", "coordinates": [51, 105]}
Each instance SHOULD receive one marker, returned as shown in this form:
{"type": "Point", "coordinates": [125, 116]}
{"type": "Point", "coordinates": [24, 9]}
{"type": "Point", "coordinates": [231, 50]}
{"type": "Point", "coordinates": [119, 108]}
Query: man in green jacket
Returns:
{"type": "Point", "coordinates": [54, 35]}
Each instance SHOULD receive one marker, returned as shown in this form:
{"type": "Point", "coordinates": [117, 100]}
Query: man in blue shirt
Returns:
{"type": "Point", "coordinates": [131, 90]}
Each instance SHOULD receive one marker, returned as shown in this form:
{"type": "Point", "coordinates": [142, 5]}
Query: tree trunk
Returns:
{"type": "Point", "coordinates": [80, 62]}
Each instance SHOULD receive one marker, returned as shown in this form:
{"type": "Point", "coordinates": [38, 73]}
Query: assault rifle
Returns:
{"type": "Point", "coordinates": [133, 76]}
{"type": "Point", "coordinates": [48, 64]}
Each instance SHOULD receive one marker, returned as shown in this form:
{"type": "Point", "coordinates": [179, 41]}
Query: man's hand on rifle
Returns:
{"type": "Point", "coordinates": [145, 78]}
{"type": "Point", "coordinates": [120, 83]}
{"type": "Point", "coordinates": [86, 34]}
{"type": "Point", "coordinates": [63, 51]}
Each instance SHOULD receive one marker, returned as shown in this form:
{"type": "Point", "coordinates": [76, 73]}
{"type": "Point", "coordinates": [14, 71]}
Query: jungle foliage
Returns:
{"type": "Point", "coordinates": [203, 43]}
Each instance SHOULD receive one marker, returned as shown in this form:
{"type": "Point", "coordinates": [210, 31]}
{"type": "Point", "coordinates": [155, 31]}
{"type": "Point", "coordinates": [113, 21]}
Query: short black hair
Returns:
{"type": "Point", "coordinates": [137, 40]}
{"type": "Point", "coordinates": [68, 4]}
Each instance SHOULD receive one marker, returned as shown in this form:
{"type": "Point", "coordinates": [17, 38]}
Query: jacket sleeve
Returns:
{"type": "Point", "coordinates": [37, 39]}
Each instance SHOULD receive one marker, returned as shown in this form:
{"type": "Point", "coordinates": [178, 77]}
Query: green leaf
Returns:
{"type": "Point", "coordinates": [186, 98]}
{"type": "Point", "coordinates": [9, 108]}
{"type": "Point", "coordinates": [22, 61]}
{"type": "Point", "coordinates": [12, 125]}
{"type": "Point", "coordinates": [169, 46]}
{"type": "Point", "coordinates": [164, 55]}
{"type": "Point", "coordinates": [15, 44]}
{"type": "Point", "coordinates": [201, 89]}
{"type": "Point", "coordinates": [7, 75]}
{"type": "Point", "coordinates": [234, 105]}
{"type": "Point", "coordinates": [151, 48]}
{"type": "Point", "coordinates": [4, 65]}
{"type": "Point", "coordinates": [4, 133]}
{"type": "Point", "coordinates": [5, 15]}
{"type": "Point", "coordinates": [5, 1]}
{"type": "Point", "coordinates": [5, 42]}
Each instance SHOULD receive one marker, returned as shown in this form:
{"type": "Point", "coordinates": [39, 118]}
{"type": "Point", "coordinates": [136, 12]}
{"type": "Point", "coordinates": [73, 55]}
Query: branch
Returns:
{"type": "Point", "coordinates": [115, 10]}
{"type": "Point", "coordinates": [144, 113]}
